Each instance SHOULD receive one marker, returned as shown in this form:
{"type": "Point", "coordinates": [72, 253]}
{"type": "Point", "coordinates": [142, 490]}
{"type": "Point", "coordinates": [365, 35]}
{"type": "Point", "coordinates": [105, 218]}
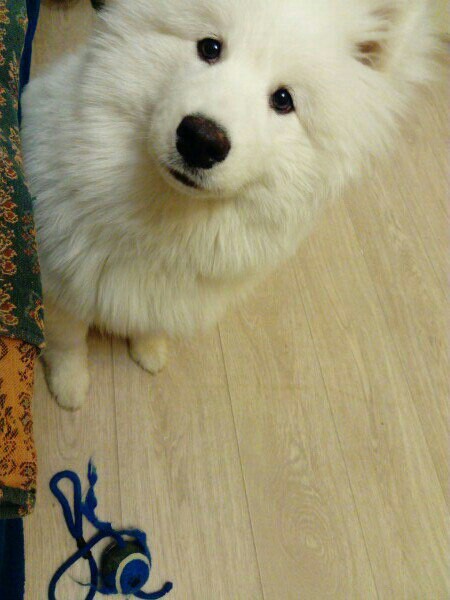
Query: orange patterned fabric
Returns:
{"type": "Point", "coordinates": [17, 451]}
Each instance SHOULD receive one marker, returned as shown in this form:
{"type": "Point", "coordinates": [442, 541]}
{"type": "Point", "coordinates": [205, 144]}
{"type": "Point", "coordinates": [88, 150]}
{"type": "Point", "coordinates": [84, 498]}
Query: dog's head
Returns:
{"type": "Point", "coordinates": [236, 93]}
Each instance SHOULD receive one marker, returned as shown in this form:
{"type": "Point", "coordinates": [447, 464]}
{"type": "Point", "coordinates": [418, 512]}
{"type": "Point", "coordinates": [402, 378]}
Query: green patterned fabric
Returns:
{"type": "Point", "coordinates": [21, 309]}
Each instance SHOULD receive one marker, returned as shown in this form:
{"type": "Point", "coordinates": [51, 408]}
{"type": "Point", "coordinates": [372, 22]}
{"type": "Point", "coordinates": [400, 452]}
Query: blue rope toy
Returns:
{"type": "Point", "coordinates": [125, 565]}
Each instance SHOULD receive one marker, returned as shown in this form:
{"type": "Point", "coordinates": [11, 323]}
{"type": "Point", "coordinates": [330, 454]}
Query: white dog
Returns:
{"type": "Point", "coordinates": [185, 151]}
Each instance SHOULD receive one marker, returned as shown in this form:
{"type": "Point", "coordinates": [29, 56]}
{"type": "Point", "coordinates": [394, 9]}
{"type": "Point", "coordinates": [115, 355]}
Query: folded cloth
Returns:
{"type": "Point", "coordinates": [12, 560]}
{"type": "Point", "coordinates": [17, 455]}
{"type": "Point", "coordinates": [21, 311]}
{"type": "Point", "coordinates": [21, 318]}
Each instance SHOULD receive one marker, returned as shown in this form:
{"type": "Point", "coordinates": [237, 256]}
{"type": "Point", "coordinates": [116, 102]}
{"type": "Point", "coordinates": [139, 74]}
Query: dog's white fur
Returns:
{"type": "Point", "coordinates": [127, 248]}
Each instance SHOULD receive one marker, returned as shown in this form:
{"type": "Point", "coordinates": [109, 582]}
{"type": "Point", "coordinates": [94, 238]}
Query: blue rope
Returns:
{"type": "Point", "coordinates": [155, 595]}
{"type": "Point", "coordinates": [74, 520]}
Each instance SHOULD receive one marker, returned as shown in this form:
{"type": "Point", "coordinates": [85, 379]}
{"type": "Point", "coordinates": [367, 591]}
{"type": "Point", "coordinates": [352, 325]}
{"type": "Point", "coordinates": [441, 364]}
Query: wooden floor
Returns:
{"type": "Point", "coordinates": [300, 450]}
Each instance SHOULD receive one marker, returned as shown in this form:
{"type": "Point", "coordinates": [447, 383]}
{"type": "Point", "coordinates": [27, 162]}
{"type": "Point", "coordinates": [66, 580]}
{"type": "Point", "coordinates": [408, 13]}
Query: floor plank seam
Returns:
{"type": "Point", "coordinates": [337, 435]}
{"type": "Point", "coordinates": [399, 355]}
{"type": "Point", "coordinates": [241, 465]}
{"type": "Point", "coordinates": [113, 371]}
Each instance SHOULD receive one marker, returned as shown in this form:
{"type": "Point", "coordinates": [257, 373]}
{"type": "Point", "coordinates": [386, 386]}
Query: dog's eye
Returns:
{"type": "Point", "coordinates": [282, 101]}
{"type": "Point", "coordinates": [209, 50]}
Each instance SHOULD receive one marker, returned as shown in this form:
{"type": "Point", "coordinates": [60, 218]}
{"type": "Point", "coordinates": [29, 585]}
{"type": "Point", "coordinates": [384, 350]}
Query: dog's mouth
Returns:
{"type": "Point", "coordinates": [184, 179]}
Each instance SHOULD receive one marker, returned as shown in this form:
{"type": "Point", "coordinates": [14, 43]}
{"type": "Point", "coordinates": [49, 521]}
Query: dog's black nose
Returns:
{"type": "Point", "coordinates": [201, 142]}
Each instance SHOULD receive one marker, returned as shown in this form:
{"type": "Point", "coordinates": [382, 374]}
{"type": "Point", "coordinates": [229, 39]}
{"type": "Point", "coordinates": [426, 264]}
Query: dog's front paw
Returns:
{"type": "Point", "coordinates": [68, 379]}
{"type": "Point", "coordinates": [150, 353]}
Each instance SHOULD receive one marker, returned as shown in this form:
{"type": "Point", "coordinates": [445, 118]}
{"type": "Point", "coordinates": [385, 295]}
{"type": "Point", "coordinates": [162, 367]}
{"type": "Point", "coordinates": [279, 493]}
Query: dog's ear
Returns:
{"type": "Point", "coordinates": [390, 31]}
{"type": "Point", "coordinates": [374, 37]}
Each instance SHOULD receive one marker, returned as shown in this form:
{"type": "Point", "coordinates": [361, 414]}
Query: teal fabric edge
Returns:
{"type": "Point", "coordinates": [16, 502]}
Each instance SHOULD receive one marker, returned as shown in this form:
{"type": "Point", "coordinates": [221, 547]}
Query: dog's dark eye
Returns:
{"type": "Point", "coordinates": [282, 101]}
{"type": "Point", "coordinates": [209, 49]}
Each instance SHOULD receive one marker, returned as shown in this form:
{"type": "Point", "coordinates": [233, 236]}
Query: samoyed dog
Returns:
{"type": "Point", "coordinates": [186, 150]}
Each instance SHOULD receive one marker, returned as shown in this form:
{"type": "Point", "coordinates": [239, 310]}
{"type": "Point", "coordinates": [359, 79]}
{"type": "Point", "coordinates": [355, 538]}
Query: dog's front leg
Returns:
{"type": "Point", "coordinates": [149, 352]}
{"type": "Point", "coordinates": [65, 358]}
